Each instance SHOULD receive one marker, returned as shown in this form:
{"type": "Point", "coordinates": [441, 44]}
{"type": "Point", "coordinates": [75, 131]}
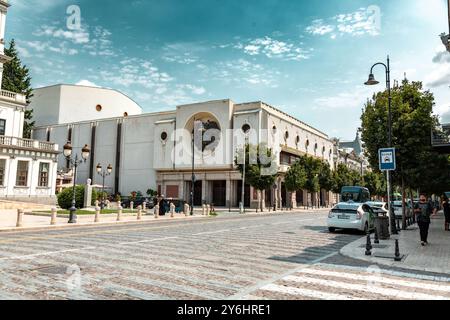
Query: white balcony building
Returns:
{"type": "Point", "coordinates": [27, 167]}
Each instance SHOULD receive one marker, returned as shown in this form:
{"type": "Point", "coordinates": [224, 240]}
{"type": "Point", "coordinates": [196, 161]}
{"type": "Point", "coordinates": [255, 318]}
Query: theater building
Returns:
{"type": "Point", "coordinates": [154, 150]}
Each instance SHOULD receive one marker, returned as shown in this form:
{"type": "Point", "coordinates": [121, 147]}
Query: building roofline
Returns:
{"type": "Point", "coordinates": [91, 87]}
{"type": "Point", "coordinates": [288, 115]}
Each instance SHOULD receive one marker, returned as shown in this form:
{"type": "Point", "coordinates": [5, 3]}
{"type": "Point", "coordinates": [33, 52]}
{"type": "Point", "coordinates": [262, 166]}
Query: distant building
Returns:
{"type": "Point", "coordinates": [351, 153]}
{"type": "Point", "coordinates": [27, 167]}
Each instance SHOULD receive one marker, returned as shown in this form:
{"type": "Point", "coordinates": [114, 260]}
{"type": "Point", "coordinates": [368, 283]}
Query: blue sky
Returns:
{"type": "Point", "coordinates": [308, 58]}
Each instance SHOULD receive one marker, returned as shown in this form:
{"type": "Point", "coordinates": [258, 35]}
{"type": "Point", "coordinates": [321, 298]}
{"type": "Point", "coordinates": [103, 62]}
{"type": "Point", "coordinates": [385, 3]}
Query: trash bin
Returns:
{"type": "Point", "coordinates": [382, 225]}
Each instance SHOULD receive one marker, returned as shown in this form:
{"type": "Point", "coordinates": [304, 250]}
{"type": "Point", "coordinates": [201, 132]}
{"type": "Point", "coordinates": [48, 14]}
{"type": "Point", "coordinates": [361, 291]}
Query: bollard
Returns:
{"type": "Point", "coordinates": [53, 219]}
{"type": "Point", "coordinates": [97, 214]}
{"type": "Point", "coordinates": [96, 203]}
{"type": "Point", "coordinates": [398, 225]}
{"type": "Point", "coordinates": [208, 210]}
{"type": "Point", "coordinates": [144, 207]}
{"type": "Point", "coordinates": [204, 210]}
{"type": "Point", "coordinates": [108, 204]}
{"type": "Point", "coordinates": [172, 210]}
{"type": "Point", "coordinates": [119, 212]}
{"type": "Point", "coordinates": [368, 246]}
{"type": "Point", "coordinates": [186, 209]}
{"type": "Point", "coordinates": [132, 205]}
{"type": "Point", "coordinates": [397, 251]}
{"type": "Point", "coordinates": [377, 240]}
{"type": "Point", "coordinates": [19, 218]}
{"type": "Point", "coordinates": [156, 211]}
{"type": "Point", "coordinates": [139, 212]}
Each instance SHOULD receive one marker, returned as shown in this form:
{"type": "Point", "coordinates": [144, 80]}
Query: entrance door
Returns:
{"type": "Point", "coordinates": [299, 198]}
{"type": "Point", "coordinates": [246, 196]}
{"type": "Point", "coordinates": [219, 193]}
{"type": "Point", "coordinates": [283, 195]}
{"type": "Point", "coordinates": [198, 193]}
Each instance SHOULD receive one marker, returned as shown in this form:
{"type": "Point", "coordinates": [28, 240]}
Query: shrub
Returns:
{"type": "Point", "coordinates": [65, 197]}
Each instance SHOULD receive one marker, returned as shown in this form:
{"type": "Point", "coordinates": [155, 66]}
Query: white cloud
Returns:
{"type": "Point", "coordinates": [439, 76]}
{"type": "Point", "coordinates": [364, 21]}
{"type": "Point", "coordinates": [86, 83]}
{"type": "Point", "coordinates": [345, 100]}
{"type": "Point", "coordinates": [80, 36]}
{"type": "Point", "coordinates": [272, 48]}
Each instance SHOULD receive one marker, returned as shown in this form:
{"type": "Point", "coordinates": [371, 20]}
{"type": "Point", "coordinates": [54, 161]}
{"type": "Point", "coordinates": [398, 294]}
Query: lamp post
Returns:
{"type": "Point", "coordinates": [371, 82]}
{"type": "Point", "coordinates": [245, 130]}
{"type": "Point", "coordinates": [74, 163]}
{"type": "Point", "coordinates": [104, 174]}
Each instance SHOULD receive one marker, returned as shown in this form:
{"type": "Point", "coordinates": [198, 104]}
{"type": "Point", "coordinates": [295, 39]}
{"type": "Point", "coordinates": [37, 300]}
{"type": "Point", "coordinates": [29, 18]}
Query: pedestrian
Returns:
{"type": "Point", "coordinates": [446, 207]}
{"type": "Point", "coordinates": [424, 210]}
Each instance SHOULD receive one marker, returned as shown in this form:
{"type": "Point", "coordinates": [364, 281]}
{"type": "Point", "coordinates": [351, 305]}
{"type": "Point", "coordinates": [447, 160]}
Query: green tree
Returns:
{"type": "Point", "coordinates": [419, 166]}
{"type": "Point", "coordinates": [376, 183]}
{"type": "Point", "coordinates": [16, 78]}
{"type": "Point", "coordinates": [261, 168]}
{"type": "Point", "coordinates": [295, 178]}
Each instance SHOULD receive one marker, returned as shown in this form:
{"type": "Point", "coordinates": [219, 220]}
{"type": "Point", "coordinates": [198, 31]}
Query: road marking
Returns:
{"type": "Point", "coordinates": [306, 293]}
{"type": "Point", "coordinates": [377, 278]}
{"type": "Point", "coordinates": [241, 294]}
{"type": "Point", "coordinates": [144, 241]}
{"type": "Point", "coordinates": [390, 272]}
{"type": "Point", "coordinates": [30, 256]}
{"type": "Point", "coordinates": [365, 288]}
{"type": "Point", "coordinates": [210, 232]}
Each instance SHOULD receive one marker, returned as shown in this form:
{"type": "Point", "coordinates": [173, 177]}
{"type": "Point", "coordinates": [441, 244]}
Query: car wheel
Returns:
{"type": "Point", "coordinates": [332, 230]}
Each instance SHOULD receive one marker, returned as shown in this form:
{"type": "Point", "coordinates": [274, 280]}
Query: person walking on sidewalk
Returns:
{"type": "Point", "coordinates": [424, 210]}
{"type": "Point", "coordinates": [446, 207]}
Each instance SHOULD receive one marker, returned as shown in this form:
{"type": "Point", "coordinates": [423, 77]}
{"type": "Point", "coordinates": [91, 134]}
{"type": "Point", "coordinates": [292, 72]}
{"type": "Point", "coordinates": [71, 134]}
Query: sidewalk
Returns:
{"type": "Point", "coordinates": [432, 258]}
{"type": "Point", "coordinates": [32, 221]}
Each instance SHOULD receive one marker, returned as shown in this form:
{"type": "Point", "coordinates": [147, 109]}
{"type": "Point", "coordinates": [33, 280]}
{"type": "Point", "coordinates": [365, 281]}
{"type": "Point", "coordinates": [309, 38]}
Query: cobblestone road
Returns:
{"type": "Point", "coordinates": [289, 256]}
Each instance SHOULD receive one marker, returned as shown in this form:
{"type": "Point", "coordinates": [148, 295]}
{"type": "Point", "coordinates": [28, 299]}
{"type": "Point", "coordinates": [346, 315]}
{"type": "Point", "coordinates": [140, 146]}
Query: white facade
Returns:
{"type": "Point", "coordinates": [27, 167]}
{"type": "Point", "coordinates": [71, 103]}
{"type": "Point", "coordinates": [154, 150]}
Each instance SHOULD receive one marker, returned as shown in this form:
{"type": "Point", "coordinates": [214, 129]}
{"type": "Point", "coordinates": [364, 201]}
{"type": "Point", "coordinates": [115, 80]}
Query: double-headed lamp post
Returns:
{"type": "Point", "coordinates": [74, 163]}
{"type": "Point", "coordinates": [104, 174]}
{"type": "Point", "coordinates": [372, 82]}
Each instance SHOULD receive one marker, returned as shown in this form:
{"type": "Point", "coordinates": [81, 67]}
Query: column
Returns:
{"type": "Point", "coordinates": [228, 193]}
{"type": "Point", "coordinates": [280, 196]}
{"type": "Point", "coordinates": [204, 189]}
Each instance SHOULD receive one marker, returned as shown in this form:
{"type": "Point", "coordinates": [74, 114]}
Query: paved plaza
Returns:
{"type": "Point", "coordinates": [271, 256]}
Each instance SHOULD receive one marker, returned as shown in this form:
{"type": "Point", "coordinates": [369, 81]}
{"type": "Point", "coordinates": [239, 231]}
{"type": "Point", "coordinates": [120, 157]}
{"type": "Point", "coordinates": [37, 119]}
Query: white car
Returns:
{"type": "Point", "coordinates": [398, 209]}
{"type": "Point", "coordinates": [348, 215]}
{"type": "Point", "coordinates": [380, 208]}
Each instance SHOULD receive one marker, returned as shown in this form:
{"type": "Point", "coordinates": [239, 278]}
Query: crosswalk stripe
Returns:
{"type": "Point", "coordinates": [306, 293]}
{"type": "Point", "coordinates": [365, 288]}
{"type": "Point", "coordinates": [378, 278]}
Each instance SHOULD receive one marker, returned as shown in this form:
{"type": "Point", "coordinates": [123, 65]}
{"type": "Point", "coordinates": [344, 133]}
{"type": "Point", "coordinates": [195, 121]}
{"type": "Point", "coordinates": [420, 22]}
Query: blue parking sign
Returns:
{"type": "Point", "coordinates": [387, 159]}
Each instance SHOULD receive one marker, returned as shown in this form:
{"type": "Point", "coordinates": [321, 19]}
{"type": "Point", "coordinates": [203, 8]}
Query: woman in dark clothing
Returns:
{"type": "Point", "coordinates": [446, 206]}
{"type": "Point", "coordinates": [424, 210]}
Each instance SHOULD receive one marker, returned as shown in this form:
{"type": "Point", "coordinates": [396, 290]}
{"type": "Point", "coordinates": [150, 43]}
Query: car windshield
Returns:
{"type": "Point", "coordinates": [351, 196]}
{"type": "Point", "coordinates": [376, 205]}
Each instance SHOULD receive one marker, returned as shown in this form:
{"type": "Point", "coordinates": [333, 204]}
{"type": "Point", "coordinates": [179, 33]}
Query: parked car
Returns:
{"type": "Point", "coordinates": [379, 208]}
{"type": "Point", "coordinates": [398, 209]}
{"type": "Point", "coordinates": [149, 203]}
{"type": "Point", "coordinates": [354, 216]}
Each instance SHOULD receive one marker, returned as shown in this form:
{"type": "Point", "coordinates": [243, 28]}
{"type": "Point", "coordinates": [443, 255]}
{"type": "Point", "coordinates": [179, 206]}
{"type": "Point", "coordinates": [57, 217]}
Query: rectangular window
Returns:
{"type": "Point", "coordinates": [2, 127]}
{"type": "Point", "coordinates": [2, 171]}
{"type": "Point", "coordinates": [43, 174]}
{"type": "Point", "coordinates": [22, 174]}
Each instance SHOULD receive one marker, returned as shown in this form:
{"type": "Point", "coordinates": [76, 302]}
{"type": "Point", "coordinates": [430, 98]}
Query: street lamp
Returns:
{"type": "Point", "coordinates": [372, 82]}
{"type": "Point", "coordinates": [104, 174]}
{"type": "Point", "coordinates": [245, 130]}
{"type": "Point", "coordinates": [75, 162]}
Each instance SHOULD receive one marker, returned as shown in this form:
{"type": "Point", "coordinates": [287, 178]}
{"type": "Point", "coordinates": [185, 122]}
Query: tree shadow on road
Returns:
{"type": "Point", "coordinates": [334, 243]}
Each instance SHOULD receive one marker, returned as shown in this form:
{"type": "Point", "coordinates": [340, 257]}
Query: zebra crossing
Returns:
{"type": "Point", "coordinates": [330, 282]}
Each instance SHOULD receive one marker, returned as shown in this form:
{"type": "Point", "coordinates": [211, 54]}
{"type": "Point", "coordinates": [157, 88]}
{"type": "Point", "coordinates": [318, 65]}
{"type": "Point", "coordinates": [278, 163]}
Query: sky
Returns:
{"type": "Point", "coordinates": [307, 58]}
